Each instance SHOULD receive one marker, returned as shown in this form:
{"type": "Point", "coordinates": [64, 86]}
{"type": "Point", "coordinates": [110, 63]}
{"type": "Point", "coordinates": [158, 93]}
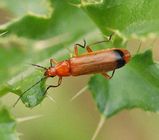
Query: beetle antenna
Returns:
{"type": "Point", "coordinates": [39, 66]}
{"type": "Point", "coordinates": [27, 91]}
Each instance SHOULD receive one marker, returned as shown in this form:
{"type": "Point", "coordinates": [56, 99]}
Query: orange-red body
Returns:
{"type": "Point", "coordinates": [92, 62]}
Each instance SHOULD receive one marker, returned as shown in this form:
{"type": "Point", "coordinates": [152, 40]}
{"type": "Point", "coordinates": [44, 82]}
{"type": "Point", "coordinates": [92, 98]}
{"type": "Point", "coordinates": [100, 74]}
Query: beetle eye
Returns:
{"type": "Point", "coordinates": [46, 73]}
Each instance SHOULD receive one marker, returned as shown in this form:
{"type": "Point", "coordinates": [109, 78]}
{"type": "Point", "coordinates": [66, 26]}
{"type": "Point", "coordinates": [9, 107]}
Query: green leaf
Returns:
{"type": "Point", "coordinates": [17, 75]}
{"type": "Point", "coordinates": [20, 8]}
{"type": "Point", "coordinates": [13, 53]}
{"type": "Point", "coordinates": [125, 17]}
{"type": "Point", "coordinates": [35, 94]}
{"type": "Point", "coordinates": [136, 85]}
{"type": "Point", "coordinates": [59, 19]}
{"type": "Point", "coordinates": [7, 125]}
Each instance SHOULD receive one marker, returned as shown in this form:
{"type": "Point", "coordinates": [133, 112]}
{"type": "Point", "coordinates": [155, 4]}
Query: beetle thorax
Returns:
{"type": "Point", "coordinates": [63, 68]}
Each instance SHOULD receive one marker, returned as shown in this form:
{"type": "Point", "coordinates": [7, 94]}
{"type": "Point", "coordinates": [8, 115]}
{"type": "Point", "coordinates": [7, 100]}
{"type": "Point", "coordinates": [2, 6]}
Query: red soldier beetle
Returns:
{"type": "Point", "coordinates": [91, 62]}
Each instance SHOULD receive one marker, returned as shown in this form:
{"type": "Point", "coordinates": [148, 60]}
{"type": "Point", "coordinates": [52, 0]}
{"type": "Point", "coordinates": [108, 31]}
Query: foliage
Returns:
{"type": "Point", "coordinates": [7, 125]}
{"type": "Point", "coordinates": [136, 85]}
{"type": "Point", "coordinates": [23, 55]}
{"type": "Point", "coordinates": [58, 25]}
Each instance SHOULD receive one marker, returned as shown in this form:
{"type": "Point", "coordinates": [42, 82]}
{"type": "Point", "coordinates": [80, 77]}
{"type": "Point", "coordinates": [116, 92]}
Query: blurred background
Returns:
{"type": "Point", "coordinates": [77, 119]}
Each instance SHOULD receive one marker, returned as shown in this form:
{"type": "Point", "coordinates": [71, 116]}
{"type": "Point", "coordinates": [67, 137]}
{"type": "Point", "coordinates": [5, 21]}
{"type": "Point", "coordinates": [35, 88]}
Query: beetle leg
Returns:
{"type": "Point", "coordinates": [88, 46]}
{"type": "Point", "coordinates": [82, 46]}
{"type": "Point", "coordinates": [76, 47]}
{"type": "Point", "coordinates": [52, 86]}
{"type": "Point", "coordinates": [75, 50]}
{"type": "Point", "coordinates": [53, 61]}
{"type": "Point", "coordinates": [106, 40]}
{"type": "Point", "coordinates": [108, 76]}
{"type": "Point", "coordinates": [89, 49]}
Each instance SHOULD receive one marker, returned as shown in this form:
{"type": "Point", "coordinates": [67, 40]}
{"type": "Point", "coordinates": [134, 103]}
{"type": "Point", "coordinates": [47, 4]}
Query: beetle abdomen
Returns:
{"type": "Point", "coordinates": [99, 61]}
{"type": "Point", "coordinates": [119, 58]}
